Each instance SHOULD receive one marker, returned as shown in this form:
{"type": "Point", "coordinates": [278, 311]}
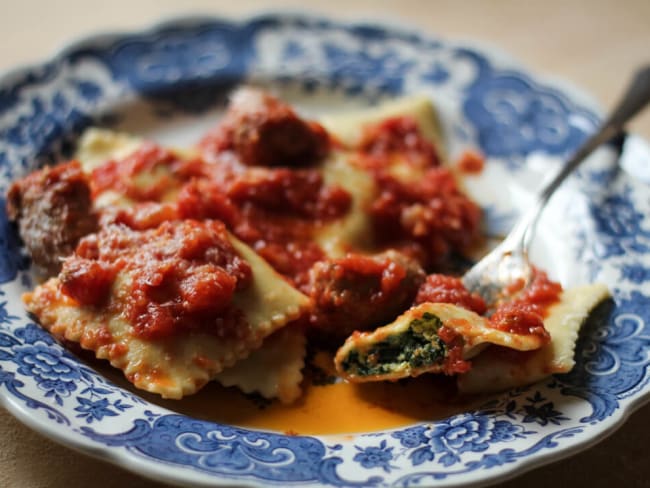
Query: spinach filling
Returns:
{"type": "Point", "coordinates": [418, 346]}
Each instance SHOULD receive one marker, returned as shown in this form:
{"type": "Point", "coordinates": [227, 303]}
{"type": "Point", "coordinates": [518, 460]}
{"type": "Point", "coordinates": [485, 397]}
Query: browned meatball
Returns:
{"type": "Point", "coordinates": [264, 131]}
{"type": "Point", "coordinates": [53, 209]}
{"type": "Point", "coordinates": [361, 292]}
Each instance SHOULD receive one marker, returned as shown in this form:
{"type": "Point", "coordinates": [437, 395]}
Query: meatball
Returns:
{"type": "Point", "coordinates": [361, 292]}
{"type": "Point", "coordinates": [264, 131]}
{"type": "Point", "coordinates": [53, 210]}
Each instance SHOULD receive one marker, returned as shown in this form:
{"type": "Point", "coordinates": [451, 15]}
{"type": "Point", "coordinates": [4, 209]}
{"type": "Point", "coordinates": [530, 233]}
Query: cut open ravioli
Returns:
{"type": "Point", "coordinates": [274, 370]}
{"type": "Point", "coordinates": [181, 364]}
{"type": "Point", "coordinates": [497, 370]}
{"type": "Point", "coordinates": [429, 337]}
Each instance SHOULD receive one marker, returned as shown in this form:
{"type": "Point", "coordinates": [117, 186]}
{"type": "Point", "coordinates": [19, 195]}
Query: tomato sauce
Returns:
{"type": "Point", "coordinates": [140, 216]}
{"type": "Point", "coordinates": [300, 193]}
{"type": "Point", "coordinates": [275, 210]}
{"type": "Point", "coordinates": [454, 362]}
{"type": "Point", "coordinates": [397, 137]}
{"type": "Point", "coordinates": [121, 175]}
{"type": "Point", "coordinates": [430, 210]}
{"type": "Point", "coordinates": [279, 211]}
{"type": "Point", "coordinates": [183, 275]}
{"type": "Point", "coordinates": [471, 162]}
{"type": "Point", "coordinates": [526, 312]}
{"type": "Point", "coordinates": [440, 288]}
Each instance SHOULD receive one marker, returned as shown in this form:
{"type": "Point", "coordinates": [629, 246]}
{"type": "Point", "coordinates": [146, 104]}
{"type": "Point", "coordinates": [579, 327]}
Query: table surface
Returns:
{"type": "Point", "coordinates": [593, 44]}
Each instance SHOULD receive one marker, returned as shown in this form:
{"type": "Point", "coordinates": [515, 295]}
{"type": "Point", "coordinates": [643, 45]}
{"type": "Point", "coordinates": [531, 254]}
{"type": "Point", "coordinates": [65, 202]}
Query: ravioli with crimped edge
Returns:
{"type": "Point", "coordinates": [177, 272]}
{"type": "Point", "coordinates": [450, 339]}
{"type": "Point", "coordinates": [497, 369]}
{"type": "Point", "coordinates": [274, 370]}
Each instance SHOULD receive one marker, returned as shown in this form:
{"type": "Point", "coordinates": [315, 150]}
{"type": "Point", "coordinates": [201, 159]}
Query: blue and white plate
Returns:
{"type": "Point", "coordinates": [169, 83]}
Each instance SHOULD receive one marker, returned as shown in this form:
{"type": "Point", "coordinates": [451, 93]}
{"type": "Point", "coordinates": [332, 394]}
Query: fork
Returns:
{"type": "Point", "coordinates": [508, 263]}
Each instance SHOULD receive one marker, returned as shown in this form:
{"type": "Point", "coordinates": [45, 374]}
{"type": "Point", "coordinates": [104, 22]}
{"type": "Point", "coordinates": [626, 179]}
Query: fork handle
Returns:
{"type": "Point", "coordinates": [634, 100]}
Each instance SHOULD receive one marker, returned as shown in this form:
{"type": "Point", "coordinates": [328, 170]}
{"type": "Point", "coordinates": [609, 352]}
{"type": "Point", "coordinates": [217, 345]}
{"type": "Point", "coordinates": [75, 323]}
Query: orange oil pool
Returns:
{"type": "Point", "coordinates": [337, 408]}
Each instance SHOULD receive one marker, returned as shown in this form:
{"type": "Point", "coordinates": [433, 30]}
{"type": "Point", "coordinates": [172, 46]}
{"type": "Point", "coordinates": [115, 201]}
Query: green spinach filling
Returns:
{"type": "Point", "coordinates": [418, 346]}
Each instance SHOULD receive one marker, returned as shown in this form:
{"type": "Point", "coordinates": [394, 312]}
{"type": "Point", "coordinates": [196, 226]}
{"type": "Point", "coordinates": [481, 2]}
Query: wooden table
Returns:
{"type": "Point", "coordinates": [594, 44]}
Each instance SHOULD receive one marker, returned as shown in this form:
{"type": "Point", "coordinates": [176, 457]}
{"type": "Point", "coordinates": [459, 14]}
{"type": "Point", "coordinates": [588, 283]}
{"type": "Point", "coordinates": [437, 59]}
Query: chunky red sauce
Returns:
{"type": "Point", "coordinates": [120, 175]}
{"type": "Point", "coordinates": [471, 162]}
{"type": "Point", "coordinates": [275, 210]}
{"type": "Point", "coordinates": [397, 138]}
{"type": "Point", "coordinates": [526, 312]}
{"type": "Point", "coordinates": [183, 275]}
{"type": "Point", "coordinates": [279, 211]}
{"type": "Point", "coordinates": [89, 282]}
{"type": "Point", "coordinates": [523, 314]}
{"type": "Point", "coordinates": [300, 193]}
{"type": "Point", "coordinates": [440, 288]}
{"type": "Point", "coordinates": [454, 362]}
{"type": "Point", "coordinates": [204, 199]}
{"type": "Point", "coordinates": [431, 211]}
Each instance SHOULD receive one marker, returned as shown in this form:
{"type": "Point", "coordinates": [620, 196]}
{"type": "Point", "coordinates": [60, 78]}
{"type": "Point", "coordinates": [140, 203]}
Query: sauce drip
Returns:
{"type": "Point", "coordinates": [471, 162]}
{"type": "Point", "coordinates": [323, 409]}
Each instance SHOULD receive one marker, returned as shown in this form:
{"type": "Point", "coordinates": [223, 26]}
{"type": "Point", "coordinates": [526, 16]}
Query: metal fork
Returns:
{"type": "Point", "coordinates": [508, 263]}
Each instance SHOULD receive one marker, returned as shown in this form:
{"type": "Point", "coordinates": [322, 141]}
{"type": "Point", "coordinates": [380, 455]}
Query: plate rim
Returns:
{"type": "Point", "coordinates": [150, 468]}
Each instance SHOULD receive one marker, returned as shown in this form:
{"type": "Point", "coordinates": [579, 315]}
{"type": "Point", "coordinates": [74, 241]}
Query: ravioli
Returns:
{"type": "Point", "coordinates": [96, 146]}
{"type": "Point", "coordinates": [274, 370]}
{"type": "Point", "coordinates": [178, 365]}
{"type": "Point", "coordinates": [493, 370]}
{"type": "Point", "coordinates": [126, 169]}
{"type": "Point", "coordinates": [424, 339]}
{"type": "Point", "coordinates": [348, 128]}
{"type": "Point", "coordinates": [354, 232]}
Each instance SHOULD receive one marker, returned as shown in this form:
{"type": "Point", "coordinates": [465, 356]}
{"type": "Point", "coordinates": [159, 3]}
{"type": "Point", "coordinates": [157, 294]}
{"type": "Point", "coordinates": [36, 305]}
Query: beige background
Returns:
{"type": "Point", "coordinates": [593, 44]}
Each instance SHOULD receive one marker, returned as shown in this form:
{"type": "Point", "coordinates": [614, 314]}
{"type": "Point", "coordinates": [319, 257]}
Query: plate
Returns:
{"type": "Point", "coordinates": [170, 83]}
